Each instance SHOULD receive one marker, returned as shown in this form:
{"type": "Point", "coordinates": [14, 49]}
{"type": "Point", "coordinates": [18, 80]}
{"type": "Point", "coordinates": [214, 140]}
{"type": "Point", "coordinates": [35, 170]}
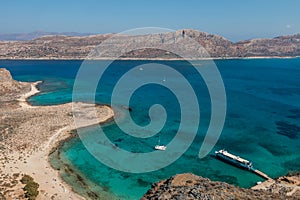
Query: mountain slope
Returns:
{"type": "Point", "coordinates": [78, 47]}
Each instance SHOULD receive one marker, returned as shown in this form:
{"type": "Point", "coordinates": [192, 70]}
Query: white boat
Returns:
{"type": "Point", "coordinates": [233, 159]}
{"type": "Point", "coordinates": [160, 147]}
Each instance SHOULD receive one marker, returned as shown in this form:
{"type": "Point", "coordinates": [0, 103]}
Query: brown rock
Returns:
{"type": "Point", "coordinates": [9, 88]}
{"type": "Point", "coordinates": [190, 186]}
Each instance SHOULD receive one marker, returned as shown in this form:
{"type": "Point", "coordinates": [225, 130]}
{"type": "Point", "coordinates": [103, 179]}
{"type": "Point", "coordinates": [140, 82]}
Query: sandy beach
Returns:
{"type": "Point", "coordinates": [28, 135]}
{"type": "Point", "coordinates": [33, 90]}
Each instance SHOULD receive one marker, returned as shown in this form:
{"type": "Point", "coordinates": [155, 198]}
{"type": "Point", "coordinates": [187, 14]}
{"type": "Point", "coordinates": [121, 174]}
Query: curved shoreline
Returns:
{"type": "Point", "coordinates": [76, 180]}
{"type": "Point", "coordinates": [56, 142]}
{"type": "Point", "coordinates": [53, 140]}
{"type": "Point", "coordinates": [36, 162]}
{"type": "Point", "coordinates": [23, 100]}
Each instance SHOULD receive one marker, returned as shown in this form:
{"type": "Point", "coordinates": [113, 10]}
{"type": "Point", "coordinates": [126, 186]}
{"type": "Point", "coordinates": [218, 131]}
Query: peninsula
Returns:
{"type": "Point", "coordinates": [27, 136]}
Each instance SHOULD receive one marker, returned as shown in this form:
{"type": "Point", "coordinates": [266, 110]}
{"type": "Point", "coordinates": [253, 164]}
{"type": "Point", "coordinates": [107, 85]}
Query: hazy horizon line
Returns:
{"type": "Point", "coordinates": [77, 33]}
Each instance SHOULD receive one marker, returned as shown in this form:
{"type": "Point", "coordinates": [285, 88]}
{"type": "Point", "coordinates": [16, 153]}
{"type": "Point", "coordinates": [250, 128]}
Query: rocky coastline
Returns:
{"type": "Point", "coordinates": [189, 186]}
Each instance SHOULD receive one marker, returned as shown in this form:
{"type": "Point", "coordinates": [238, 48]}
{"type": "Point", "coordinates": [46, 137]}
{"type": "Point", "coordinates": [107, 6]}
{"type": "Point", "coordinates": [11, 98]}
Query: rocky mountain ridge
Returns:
{"type": "Point", "coordinates": [120, 46]}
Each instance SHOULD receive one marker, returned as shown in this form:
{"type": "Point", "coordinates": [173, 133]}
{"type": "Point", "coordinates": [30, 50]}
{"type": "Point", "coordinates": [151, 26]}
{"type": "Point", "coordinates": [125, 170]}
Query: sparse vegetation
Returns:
{"type": "Point", "coordinates": [30, 188]}
{"type": "Point", "coordinates": [26, 178]}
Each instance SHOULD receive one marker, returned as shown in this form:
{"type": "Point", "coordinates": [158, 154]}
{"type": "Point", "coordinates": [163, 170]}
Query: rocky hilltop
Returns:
{"type": "Point", "coordinates": [9, 88]}
{"type": "Point", "coordinates": [79, 47]}
{"type": "Point", "coordinates": [189, 186]}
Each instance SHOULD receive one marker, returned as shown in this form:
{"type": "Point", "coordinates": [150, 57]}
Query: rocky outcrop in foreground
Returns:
{"type": "Point", "coordinates": [74, 47]}
{"type": "Point", "coordinates": [190, 186]}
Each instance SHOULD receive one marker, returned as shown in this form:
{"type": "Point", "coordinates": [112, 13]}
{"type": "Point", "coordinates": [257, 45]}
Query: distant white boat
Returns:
{"type": "Point", "coordinates": [160, 147]}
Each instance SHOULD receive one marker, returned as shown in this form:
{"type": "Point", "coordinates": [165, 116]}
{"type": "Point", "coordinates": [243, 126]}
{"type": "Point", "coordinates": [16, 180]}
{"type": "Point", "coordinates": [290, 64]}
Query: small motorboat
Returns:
{"type": "Point", "coordinates": [160, 147]}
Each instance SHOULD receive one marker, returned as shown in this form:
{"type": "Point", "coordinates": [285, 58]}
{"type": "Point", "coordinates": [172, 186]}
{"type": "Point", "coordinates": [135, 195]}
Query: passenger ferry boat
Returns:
{"type": "Point", "coordinates": [234, 160]}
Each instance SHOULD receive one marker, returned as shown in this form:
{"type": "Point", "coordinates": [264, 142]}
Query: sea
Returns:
{"type": "Point", "coordinates": [262, 121]}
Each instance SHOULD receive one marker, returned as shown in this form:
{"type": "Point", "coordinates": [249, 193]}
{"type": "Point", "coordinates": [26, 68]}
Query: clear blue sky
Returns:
{"type": "Point", "coordinates": [234, 19]}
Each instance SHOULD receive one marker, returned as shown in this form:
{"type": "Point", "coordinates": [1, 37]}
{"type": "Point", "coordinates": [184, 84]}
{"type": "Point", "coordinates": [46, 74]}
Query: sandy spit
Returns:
{"type": "Point", "coordinates": [30, 134]}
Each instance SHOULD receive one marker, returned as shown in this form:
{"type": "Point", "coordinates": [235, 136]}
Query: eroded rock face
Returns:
{"type": "Point", "coordinates": [190, 186]}
{"type": "Point", "coordinates": [5, 75]}
{"type": "Point", "coordinates": [9, 88]}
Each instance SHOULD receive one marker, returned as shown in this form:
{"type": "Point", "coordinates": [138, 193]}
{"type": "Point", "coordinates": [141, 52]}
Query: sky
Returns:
{"type": "Point", "coordinates": [234, 19]}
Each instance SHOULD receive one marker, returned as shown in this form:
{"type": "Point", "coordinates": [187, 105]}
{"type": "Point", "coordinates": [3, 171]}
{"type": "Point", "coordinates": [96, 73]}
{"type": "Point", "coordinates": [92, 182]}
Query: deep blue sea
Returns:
{"type": "Point", "coordinates": [262, 121]}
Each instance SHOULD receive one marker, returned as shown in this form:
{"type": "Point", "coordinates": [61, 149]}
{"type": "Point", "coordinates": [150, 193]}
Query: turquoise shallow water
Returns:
{"type": "Point", "coordinates": [262, 122]}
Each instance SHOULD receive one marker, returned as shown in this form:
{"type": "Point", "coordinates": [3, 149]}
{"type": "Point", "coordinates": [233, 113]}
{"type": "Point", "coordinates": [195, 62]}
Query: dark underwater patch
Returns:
{"type": "Point", "coordinates": [118, 140]}
{"type": "Point", "coordinates": [142, 182]}
{"type": "Point", "coordinates": [293, 165]}
{"type": "Point", "coordinates": [295, 114]}
{"type": "Point", "coordinates": [274, 149]}
{"type": "Point", "coordinates": [287, 129]}
{"type": "Point", "coordinates": [234, 115]}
